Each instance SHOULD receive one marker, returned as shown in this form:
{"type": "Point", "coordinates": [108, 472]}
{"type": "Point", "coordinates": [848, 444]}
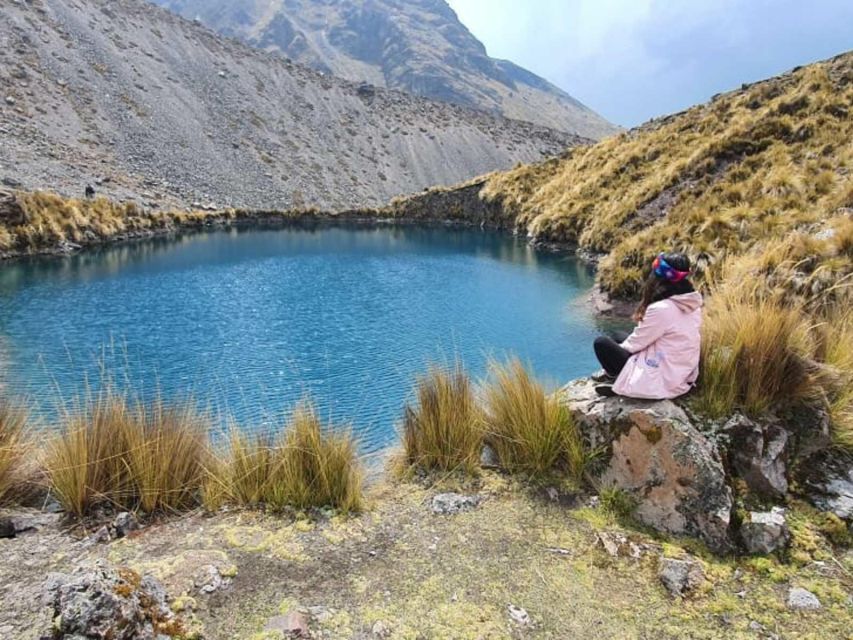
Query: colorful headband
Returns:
{"type": "Point", "coordinates": [664, 271]}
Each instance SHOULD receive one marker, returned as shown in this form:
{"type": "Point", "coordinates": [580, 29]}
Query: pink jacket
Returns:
{"type": "Point", "coordinates": [665, 345]}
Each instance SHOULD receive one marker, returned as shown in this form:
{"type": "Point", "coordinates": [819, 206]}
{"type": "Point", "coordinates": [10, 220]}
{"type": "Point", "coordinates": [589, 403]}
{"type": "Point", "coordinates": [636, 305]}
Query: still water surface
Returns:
{"type": "Point", "coordinates": [247, 322]}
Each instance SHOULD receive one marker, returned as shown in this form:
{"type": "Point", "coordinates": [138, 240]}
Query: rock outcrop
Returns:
{"type": "Point", "coordinates": [827, 480]}
{"type": "Point", "coordinates": [653, 451]}
{"type": "Point", "coordinates": [759, 455]}
{"type": "Point", "coordinates": [103, 602]}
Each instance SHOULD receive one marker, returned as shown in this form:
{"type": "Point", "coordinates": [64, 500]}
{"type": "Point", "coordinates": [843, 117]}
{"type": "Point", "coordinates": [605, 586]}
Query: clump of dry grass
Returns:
{"type": "Point", "coordinates": [308, 465]}
{"type": "Point", "coordinates": [443, 430]}
{"type": "Point", "coordinates": [122, 454]}
{"type": "Point", "coordinates": [530, 431]}
{"type": "Point", "coordinates": [836, 339]}
{"type": "Point", "coordinates": [15, 448]}
{"type": "Point", "coordinates": [756, 355]}
{"type": "Point", "coordinates": [166, 454]}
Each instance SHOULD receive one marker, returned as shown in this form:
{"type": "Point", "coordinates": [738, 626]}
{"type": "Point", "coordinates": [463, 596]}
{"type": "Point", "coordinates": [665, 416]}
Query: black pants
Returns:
{"type": "Point", "coordinates": [610, 354]}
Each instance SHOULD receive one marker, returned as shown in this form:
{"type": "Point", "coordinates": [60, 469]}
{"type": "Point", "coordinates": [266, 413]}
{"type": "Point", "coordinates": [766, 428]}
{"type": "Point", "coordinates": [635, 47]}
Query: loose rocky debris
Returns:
{"type": "Point", "coordinates": [453, 503]}
{"type": "Point", "coordinates": [802, 600]}
{"type": "Point", "coordinates": [680, 577]}
{"type": "Point", "coordinates": [765, 532]}
{"type": "Point", "coordinates": [171, 130]}
{"type": "Point", "coordinates": [102, 602]}
{"type": "Point", "coordinates": [618, 545]}
{"type": "Point", "coordinates": [654, 452]}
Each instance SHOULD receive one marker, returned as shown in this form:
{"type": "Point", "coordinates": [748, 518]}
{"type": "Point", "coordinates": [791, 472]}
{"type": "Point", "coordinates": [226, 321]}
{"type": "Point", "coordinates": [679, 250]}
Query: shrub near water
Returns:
{"type": "Point", "coordinates": [309, 465]}
{"type": "Point", "coordinates": [167, 451]}
{"type": "Point", "coordinates": [126, 455]}
{"type": "Point", "coordinates": [530, 431]}
{"type": "Point", "coordinates": [14, 447]}
{"type": "Point", "coordinates": [443, 430]}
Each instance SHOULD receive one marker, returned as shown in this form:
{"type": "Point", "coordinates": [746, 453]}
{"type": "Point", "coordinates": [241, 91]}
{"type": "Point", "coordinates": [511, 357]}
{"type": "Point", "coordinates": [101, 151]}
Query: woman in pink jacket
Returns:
{"type": "Point", "coordinates": [660, 359]}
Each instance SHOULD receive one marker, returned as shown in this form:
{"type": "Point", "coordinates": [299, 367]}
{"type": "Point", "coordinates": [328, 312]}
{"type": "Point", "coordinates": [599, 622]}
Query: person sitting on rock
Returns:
{"type": "Point", "coordinates": [660, 358]}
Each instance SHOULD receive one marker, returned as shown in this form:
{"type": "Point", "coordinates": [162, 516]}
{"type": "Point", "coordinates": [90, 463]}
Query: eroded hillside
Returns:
{"type": "Point", "coordinates": [135, 100]}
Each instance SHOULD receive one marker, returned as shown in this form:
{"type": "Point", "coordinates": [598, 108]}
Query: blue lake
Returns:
{"type": "Point", "coordinates": [249, 321]}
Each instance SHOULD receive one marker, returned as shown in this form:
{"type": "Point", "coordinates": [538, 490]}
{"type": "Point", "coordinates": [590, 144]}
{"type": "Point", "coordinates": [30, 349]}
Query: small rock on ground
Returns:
{"type": "Point", "coordinates": [124, 523]}
{"type": "Point", "coordinates": [765, 532]}
{"type": "Point", "coordinates": [518, 615]}
{"type": "Point", "coordinates": [292, 625]}
{"type": "Point", "coordinates": [680, 576]}
{"type": "Point", "coordinates": [801, 599]}
{"type": "Point", "coordinates": [451, 503]}
{"type": "Point", "coordinates": [381, 629]}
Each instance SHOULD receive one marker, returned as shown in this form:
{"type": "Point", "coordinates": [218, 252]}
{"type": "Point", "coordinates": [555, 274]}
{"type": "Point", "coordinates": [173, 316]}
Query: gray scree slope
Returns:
{"type": "Point", "coordinates": [141, 102]}
{"type": "Point", "coordinates": [419, 46]}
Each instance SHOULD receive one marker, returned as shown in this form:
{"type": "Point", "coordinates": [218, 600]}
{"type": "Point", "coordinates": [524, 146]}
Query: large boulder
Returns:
{"type": "Point", "coordinates": [653, 451]}
{"type": "Point", "coordinates": [103, 602]}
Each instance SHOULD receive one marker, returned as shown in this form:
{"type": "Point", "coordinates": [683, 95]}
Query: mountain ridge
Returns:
{"type": "Point", "coordinates": [420, 47]}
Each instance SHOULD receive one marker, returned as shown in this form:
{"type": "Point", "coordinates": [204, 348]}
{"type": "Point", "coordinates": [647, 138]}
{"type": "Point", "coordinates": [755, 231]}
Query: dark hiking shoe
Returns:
{"type": "Point", "coordinates": [602, 376]}
{"type": "Point", "coordinates": [605, 390]}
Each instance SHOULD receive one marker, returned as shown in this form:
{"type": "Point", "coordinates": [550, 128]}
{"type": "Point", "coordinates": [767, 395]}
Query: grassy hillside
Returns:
{"type": "Point", "coordinates": [762, 172]}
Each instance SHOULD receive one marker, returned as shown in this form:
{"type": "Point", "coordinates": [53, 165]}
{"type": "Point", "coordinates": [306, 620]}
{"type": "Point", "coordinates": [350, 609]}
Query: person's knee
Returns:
{"type": "Point", "coordinates": [601, 342]}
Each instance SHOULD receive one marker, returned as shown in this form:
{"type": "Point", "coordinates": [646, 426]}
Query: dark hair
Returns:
{"type": "Point", "coordinates": [656, 288]}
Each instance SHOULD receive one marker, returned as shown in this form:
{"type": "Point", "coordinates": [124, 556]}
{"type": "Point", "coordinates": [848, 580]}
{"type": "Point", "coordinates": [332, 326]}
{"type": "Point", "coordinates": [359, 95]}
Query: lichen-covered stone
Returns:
{"type": "Point", "coordinates": [451, 503]}
{"type": "Point", "coordinates": [653, 451]}
{"type": "Point", "coordinates": [103, 602]}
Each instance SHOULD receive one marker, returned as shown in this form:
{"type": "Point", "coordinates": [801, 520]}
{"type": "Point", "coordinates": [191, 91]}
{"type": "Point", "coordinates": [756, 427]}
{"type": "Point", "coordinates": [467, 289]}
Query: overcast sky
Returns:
{"type": "Point", "coordinates": [631, 60]}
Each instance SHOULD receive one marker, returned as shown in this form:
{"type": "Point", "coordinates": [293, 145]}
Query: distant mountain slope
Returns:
{"type": "Point", "coordinates": [141, 100]}
{"type": "Point", "coordinates": [418, 46]}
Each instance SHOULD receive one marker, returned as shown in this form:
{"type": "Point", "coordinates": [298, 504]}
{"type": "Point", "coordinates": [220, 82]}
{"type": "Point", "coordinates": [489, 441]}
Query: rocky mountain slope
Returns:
{"type": "Point", "coordinates": [136, 100]}
{"type": "Point", "coordinates": [418, 46]}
